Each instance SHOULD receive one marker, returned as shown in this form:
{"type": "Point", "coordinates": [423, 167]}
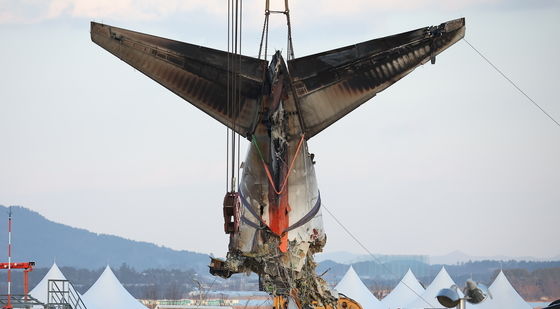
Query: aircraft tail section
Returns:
{"type": "Point", "coordinates": [331, 84]}
{"type": "Point", "coordinates": [197, 74]}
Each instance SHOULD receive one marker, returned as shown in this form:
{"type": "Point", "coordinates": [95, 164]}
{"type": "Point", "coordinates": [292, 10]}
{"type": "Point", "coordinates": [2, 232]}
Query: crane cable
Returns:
{"type": "Point", "coordinates": [264, 34]}
{"type": "Point", "coordinates": [290, 51]}
{"type": "Point", "coordinates": [227, 93]}
{"type": "Point", "coordinates": [233, 92]}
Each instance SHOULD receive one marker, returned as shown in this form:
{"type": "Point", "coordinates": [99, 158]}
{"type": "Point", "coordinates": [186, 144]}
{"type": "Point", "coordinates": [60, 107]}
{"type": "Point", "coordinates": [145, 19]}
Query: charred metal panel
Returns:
{"type": "Point", "coordinates": [197, 74]}
{"type": "Point", "coordinates": [331, 84]}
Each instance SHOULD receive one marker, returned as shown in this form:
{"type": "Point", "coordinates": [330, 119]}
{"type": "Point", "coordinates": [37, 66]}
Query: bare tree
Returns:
{"type": "Point", "coordinates": [173, 290]}
{"type": "Point", "coordinates": [151, 292]}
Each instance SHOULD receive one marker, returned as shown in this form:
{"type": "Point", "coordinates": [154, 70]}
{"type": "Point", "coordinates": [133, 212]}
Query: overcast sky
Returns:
{"type": "Point", "coordinates": [451, 157]}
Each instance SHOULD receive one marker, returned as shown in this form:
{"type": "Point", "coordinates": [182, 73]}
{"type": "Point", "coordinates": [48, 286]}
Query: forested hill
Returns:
{"type": "Point", "coordinates": [37, 239]}
{"type": "Point", "coordinates": [151, 271]}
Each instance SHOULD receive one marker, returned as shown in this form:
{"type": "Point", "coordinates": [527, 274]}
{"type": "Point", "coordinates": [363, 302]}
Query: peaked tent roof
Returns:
{"type": "Point", "coordinates": [504, 295]}
{"type": "Point", "coordinates": [428, 298]}
{"type": "Point", "coordinates": [108, 292]}
{"type": "Point", "coordinates": [405, 292]}
{"type": "Point", "coordinates": [40, 291]}
{"type": "Point", "coordinates": [352, 286]}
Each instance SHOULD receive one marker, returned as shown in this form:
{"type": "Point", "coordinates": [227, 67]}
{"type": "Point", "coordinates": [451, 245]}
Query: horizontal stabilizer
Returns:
{"type": "Point", "coordinates": [331, 84]}
{"type": "Point", "coordinates": [197, 74]}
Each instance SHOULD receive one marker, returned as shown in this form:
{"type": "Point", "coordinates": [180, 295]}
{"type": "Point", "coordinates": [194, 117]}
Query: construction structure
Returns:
{"type": "Point", "coordinates": [60, 293]}
{"type": "Point", "coordinates": [10, 300]}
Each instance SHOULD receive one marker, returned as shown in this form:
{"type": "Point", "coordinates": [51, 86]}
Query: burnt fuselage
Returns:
{"type": "Point", "coordinates": [280, 106]}
{"type": "Point", "coordinates": [278, 189]}
{"type": "Point", "coordinates": [280, 226]}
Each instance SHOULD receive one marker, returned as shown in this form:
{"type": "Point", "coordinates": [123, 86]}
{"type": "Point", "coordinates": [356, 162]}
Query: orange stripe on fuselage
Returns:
{"type": "Point", "coordinates": [279, 220]}
{"type": "Point", "coordinates": [278, 210]}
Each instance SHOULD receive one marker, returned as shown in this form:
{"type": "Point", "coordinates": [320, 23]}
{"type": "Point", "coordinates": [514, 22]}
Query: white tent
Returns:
{"type": "Point", "coordinates": [40, 291]}
{"type": "Point", "coordinates": [351, 286]}
{"type": "Point", "coordinates": [503, 296]}
{"type": "Point", "coordinates": [108, 293]}
{"type": "Point", "coordinates": [428, 298]}
{"type": "Point", "coordinates": [405, 292]}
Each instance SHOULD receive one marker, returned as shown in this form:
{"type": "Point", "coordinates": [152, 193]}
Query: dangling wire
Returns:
{"type": "Point", "coordinates": [512, 83]}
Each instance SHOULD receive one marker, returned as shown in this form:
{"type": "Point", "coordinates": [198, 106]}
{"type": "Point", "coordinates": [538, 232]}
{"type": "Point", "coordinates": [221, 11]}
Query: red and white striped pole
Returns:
{"type": "Point", "coordinates": [9, 304]}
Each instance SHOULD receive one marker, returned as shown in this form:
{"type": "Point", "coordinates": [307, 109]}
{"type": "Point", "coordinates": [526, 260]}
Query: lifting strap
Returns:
{"type": "Point", "coordinates": [267, 170]}
{"type": "Point", "coordinates": [310, 215]}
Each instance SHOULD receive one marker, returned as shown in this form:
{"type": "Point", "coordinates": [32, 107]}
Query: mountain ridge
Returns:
{"type": "Point", "coordinates": [48, 241]}
{"type": "Point", "coordinates": [454, 257]}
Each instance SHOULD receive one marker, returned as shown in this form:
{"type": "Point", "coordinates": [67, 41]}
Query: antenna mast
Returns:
{"type": "Point", "coordinates": [9, 303]}
{"type": "Point", "coordinates": [26, 266]}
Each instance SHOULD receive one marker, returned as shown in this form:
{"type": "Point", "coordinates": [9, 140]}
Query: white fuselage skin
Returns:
{"type": "Point", "coordinates": [278, 188]}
